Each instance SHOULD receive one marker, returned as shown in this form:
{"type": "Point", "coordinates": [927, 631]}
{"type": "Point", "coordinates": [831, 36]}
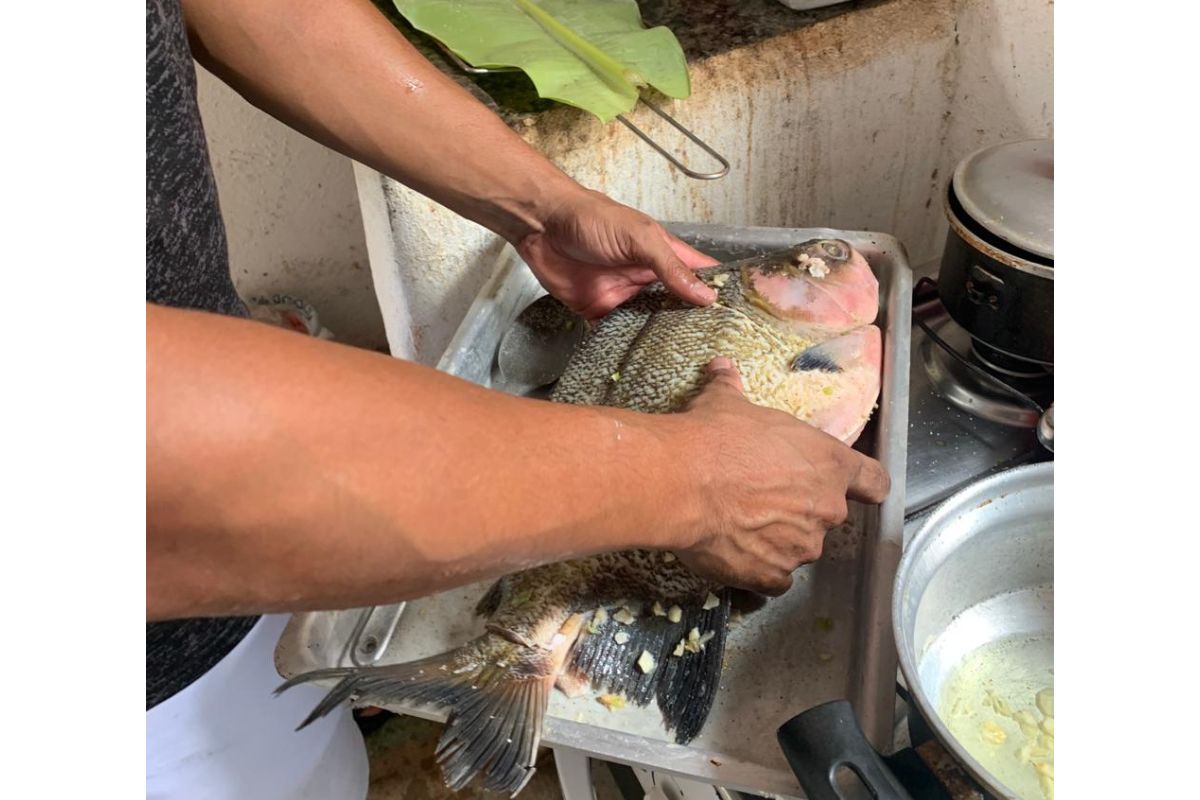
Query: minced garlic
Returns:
{"type": "Point", "coordinates": [624, 616]}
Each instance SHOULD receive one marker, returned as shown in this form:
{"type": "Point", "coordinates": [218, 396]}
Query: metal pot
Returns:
{"type": "Point", "coordinates": [980, 572]}
{"type": "Point", "coordinates": [997, 273]}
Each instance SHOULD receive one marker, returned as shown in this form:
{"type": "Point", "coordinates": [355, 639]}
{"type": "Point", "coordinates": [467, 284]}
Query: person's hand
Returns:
{"type": "Point", "coordinates": [594, 254]}
{"type": "Point", "coordinates": [770, 486]}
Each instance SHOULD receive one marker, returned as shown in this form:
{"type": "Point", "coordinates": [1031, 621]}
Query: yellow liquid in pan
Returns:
{"type": "Point", "coordinates": [999, 705]}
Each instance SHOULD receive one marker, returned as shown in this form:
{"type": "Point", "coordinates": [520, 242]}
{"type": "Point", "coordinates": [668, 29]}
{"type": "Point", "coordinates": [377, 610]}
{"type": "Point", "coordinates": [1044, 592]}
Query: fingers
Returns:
{"type": "Point", "coordinates": [831, 510]}
{"type": "Point", "coordinates": [772, 586]}
{"type": "Point", "coordinates": [756, 577]}
{"type": "Point", "coordinates": [603, 304]}
{"type": "Point", "coordinates": [722, 372]}
{"type": "Point", "coordinates": [868, 480]}
{"type": "Point", "coordinates": [659, 255]}
{"type": "Point", "coordinates": [690, 256]}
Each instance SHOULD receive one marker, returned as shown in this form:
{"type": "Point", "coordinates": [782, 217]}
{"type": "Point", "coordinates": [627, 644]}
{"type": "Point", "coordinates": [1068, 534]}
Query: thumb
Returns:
{"type": "Point", "coordinates": [722, 372]}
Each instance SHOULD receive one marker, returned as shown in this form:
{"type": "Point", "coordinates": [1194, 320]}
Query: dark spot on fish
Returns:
{"type": "Point", "coordinates": [813, 360]}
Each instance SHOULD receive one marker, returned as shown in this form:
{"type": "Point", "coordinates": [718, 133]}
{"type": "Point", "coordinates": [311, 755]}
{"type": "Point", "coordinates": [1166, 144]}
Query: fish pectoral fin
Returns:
{"type": "Point", "coordinates": [815, 359]}
{"type": "Point", "coordinates": [843, 353]}
{"type": "Point", "coordinates": [495, 690]}
{"type": "Point", "coordinates": [684, 685]}
{"type": "Point", "coordinates": [511, 635]}
{"type": "Point", "coordinates": [834, 385]}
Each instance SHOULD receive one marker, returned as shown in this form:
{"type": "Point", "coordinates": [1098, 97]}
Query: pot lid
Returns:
{"type": "Point", "coordinates": [1009, 190]}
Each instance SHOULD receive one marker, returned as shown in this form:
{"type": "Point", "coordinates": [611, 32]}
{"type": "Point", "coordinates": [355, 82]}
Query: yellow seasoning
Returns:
{"type": "Point", "coordinates": [993, 732]}
{"type": "Point", "coordinates": [612, 702]}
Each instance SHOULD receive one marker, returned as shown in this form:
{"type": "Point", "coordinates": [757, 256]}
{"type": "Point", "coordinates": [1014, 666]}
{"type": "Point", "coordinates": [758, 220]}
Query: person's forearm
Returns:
{"type": "Point", "coordinates": [339, 71]}
{"type": "Point", "coordinates": [286, 473]}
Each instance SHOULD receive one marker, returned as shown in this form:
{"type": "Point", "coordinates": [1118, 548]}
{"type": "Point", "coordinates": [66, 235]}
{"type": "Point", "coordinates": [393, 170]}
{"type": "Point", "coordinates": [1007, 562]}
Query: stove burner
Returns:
{"type": "Point", "coordinates": [1007, 367]}
{"type": "Point", "coordinates": [950, 442]}
{"type": "Point", "coordinates": [973, 376]}
{"type": "Point", "coordinates": [987, 391]}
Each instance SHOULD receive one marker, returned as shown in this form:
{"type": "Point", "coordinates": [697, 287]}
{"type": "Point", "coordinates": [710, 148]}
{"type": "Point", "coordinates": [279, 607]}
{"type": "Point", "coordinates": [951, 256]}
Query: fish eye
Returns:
{"type": "Point", "coordinates": [834, 250]}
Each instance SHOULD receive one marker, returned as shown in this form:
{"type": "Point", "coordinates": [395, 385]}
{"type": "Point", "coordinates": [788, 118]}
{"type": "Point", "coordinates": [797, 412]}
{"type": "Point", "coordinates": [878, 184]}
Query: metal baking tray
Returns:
{"type": "Point", "coordinates": [829, 637]}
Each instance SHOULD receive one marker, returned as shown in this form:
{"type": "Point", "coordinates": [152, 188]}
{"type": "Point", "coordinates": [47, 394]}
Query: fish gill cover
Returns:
{"type": "Point", "coordinates": [591, 54]}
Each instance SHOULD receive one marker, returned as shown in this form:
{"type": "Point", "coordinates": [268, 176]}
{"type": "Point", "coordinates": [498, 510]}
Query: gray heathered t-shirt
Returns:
{"type": "Point", "coordinates": [187, 265]}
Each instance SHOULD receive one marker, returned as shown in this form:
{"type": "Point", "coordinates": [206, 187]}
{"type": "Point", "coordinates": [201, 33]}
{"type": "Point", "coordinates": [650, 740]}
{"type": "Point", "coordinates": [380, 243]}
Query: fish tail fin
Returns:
{"type": "Point", "coordinates": [340, 693]}
{"type": "Point", "coordinates": [496, 691]}
{"type": "Point", "coordinates": [685, 673]}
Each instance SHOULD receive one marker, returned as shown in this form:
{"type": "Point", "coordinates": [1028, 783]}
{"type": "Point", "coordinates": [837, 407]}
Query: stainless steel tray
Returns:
{"type": "Point", "coordinates": [829, 637]}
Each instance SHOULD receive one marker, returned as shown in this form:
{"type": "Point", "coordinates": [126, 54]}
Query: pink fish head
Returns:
{"type": "Point", "coordinates": [822, 285]}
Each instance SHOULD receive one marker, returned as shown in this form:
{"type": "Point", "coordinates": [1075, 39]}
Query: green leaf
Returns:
{"type": "Point", "coordinates": [591, 54]}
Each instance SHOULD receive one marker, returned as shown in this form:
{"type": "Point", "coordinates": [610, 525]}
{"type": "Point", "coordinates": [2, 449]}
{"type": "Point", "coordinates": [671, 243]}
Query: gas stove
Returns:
{"type": "Point", "coordinates": [962, 427]}
{"type": "Point", "coordinates": [972, 411]}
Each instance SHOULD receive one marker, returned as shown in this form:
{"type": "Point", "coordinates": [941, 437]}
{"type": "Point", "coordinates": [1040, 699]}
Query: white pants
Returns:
{"type": "Point", "coordinates": [226, 737]}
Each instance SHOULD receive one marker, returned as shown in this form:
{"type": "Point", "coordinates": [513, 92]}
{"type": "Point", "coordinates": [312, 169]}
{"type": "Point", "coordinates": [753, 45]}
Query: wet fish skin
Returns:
{"type": "Point", "coordinates": [800, 334]}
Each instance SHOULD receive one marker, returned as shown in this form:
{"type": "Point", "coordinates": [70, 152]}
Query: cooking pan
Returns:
{"type": "Point", "coordinates": [996, 277]}
{"type": "Point", "coordinates": [976, 580]}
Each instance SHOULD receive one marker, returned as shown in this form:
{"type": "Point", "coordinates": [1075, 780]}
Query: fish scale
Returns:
{"type": "Point", "coordinates": [598, 358]}
{"type": "Point", "coordinates": [651, 358]}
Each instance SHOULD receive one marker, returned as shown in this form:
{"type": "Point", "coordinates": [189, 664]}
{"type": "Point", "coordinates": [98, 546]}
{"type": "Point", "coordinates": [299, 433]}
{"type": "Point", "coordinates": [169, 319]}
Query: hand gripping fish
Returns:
{"type": "Point", "coordinates": [798, 326]}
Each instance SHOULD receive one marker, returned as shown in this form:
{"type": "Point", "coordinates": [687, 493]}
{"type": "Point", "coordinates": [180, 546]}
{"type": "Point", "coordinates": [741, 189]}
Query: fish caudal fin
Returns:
{"type": "Point", "coordinates": [687, 657]}
{"type": "Point", "coordinates": [495, 689]}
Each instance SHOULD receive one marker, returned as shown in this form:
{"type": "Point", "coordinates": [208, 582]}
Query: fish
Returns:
{"type": "Point", "coordinates": [638, 624]}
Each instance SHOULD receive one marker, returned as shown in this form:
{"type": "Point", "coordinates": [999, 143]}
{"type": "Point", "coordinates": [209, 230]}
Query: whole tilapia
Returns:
{"type": "Point", "coordinates": [797, 324]}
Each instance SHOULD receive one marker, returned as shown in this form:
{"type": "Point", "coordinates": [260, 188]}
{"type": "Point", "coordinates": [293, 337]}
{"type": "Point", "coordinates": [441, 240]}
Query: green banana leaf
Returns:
{"type": "Point", "coordinates": [591, 54]}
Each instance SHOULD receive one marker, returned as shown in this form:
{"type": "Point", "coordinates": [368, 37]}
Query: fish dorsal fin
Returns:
{"type": "Point", "coordinates": [684, 685]}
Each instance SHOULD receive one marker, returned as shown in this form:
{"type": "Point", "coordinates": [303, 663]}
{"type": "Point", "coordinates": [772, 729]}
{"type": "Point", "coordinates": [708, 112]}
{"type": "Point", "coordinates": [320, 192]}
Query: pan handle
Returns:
{"type": "Point", "coordinates": [819, 741]}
